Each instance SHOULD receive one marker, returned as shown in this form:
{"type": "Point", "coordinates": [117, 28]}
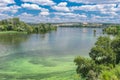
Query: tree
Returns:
{"type": "Point", "coordinates": [102, 53]}
{"type": "Point", "coordinates": [15, 21]}
{"type": "Point", "coordinates": [1, 28]}
{"type": "Point", "coordinates": [84, 65]}
{"type": "Point", "coordinates": [91, 75]}
{"type": "Point", "coordinates": [14, 24]}
{"type": "Point", "coordinates": [112, 30]}
{"type": "Point", "coordinates": [10, 27]}
{"type": "Point", "coordinates": [116, 48]}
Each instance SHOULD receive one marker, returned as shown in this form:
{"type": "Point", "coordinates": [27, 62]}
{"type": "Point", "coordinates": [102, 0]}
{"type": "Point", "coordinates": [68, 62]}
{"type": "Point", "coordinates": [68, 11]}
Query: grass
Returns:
{"type": "Point", "coordinates": [12, 32]}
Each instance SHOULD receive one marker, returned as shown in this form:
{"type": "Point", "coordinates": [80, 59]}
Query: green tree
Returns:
{"type": "Point", "coordinates": [102, 53]}
{"type": "Point", "coordinates": [116, 48]}
{"type": "Point", "coordinates": [84, 65]}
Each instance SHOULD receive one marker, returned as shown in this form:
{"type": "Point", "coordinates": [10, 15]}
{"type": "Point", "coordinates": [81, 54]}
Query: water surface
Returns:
{"type": "Point", "coordinates": [44, 56]}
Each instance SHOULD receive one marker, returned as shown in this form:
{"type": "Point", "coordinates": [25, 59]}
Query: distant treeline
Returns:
{"type": "Point", "coordinates": [14, 24]}
{"type": "Point", "coordinates": [90, 25]}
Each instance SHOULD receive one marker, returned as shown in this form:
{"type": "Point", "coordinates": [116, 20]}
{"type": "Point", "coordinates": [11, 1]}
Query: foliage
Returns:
{"type": "Point", "coordinates": [116, 48]}
{"type": "Point", "coordinates": [91, 75]}
{"type": "Point", "coordinates": [105, 56]}
{"type": "Point", "coordinates": [112, 30]}
{"type": "Point", "coordinates": [108, 76]}
{"type": "Point", "coordinates": [102, 53]}
{"type": "Point", "coordinates": [84, 65]}
{"type": "Point", "coordinates": [43, 28]}
{"type": "Point", "coordinates": [113, 74]}
{"type": "Point", "coordinates": [14, 24]}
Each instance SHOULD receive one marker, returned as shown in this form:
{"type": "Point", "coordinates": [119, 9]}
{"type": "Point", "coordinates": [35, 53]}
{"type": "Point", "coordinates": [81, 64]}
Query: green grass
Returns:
{"type": "Point", "coordinates": [12, 32]}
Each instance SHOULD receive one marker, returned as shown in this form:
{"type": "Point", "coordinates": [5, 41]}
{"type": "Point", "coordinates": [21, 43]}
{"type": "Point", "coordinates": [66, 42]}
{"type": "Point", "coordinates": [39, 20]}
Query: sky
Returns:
{"type": "Point", "coordinates": [54, 11]}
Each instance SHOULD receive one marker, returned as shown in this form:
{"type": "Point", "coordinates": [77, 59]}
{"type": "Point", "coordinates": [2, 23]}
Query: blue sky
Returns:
{"type": "Point", "coordinates": [61, 10]}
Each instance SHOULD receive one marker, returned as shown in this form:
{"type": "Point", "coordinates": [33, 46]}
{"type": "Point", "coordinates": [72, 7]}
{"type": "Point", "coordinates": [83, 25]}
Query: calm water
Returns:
{"type": "Point", "coordinates": [44, 53]}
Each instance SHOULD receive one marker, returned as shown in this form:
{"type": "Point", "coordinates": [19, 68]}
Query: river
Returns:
{"type": "Point", "coordinates": [44, 56]}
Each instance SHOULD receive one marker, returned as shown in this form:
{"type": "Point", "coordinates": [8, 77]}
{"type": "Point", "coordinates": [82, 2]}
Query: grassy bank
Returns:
{"type": "Point", "coordinates": [12, 32]}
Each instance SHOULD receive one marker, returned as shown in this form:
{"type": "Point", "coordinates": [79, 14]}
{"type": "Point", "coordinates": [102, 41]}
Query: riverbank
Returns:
{"type": "Point", "coordinates": [12, 32]}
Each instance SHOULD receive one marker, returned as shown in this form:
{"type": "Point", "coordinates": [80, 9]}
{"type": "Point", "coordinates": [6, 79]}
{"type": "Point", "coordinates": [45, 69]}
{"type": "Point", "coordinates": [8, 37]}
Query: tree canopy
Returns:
{"type": "Point", "coordinates": [104, 56]}
{"type": "Point", "coordinates": [14, 24]}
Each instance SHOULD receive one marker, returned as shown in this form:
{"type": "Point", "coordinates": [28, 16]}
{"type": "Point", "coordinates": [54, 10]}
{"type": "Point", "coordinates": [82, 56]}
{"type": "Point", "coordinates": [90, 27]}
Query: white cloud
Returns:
{"type": "Point", "coordinates": [59, 17]}
{"type": "Point", "coordinates": [26, 17]}
{"type": "Point", "coordinates": [26, 14]}
{"type": "Point", "coordinates": [4, 3]}
{"type": "Point", "coordinates": [108, 9]}
{"type": "Point", "coordinates": [41, 2]}
{"type": "Point", "coordinates": [44, 10]}
{"type": "Point", "coordinates": [68, 17]}
{"type": "Point", "coordinates": [62, 4]}
{"type": "Point", "coordinates": [109, 13]}
{"type": "Point", "coordinates": [104, 19]}
{"type": "Point", "coordinates": [61, 7]}
{"type": "Point", "coordinates": [31, 6]}
{"type": "Point", "coordinates": [69, 14]}
{"type": "Point", "coordinates": [92, 11]}
{"type": "Point", "coordinates": [32, 18]}
{"type": "Point", "coordinates": [97, 7]}
{"type": "Point", "coordinates": [13, 8]}
{"type": "Point", "coordinates": [7, 1]}
{"type": "Point", "coordinates": [95, 1]}
{"type": "Point", "coordinates": [4, 16]}
{"type": "Point", "coordinates": [5, 8]}
{"type": "Point", "coordinates": [44, 13]}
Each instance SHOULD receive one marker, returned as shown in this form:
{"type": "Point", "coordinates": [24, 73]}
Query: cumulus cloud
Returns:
{"type": "Point", "coordinates": [44, 13]}
{"type": "Point", "coordinates": [12, 9]}
{"type": "Point", "coordinates": [108, 9]}
{"type": "Point", "coordinates": [5, 8]}
{"type": "Point", "coordinates": [26, 17]}
{"type": "Point", "coordinates": [104, 19]}
{"type": "Point", "coordinates": [26, 14]}
{"type": "Point", "coordinates": [4, 3]}
{"type": "Point", "coordinates": [67, 17]}
{"type": "Point", "coordinates": [31, 6]}
{"type": "Point", "coordinates": [7, 1]}
{"type": "Point", "coordinates": [89, 11]}
{"type": "Point", "coordinates": [61, 7]}
{"type": "Point", "coordinates": [95, 1]}
{"type": "Point", "coordinates": [44, 10]}
{"type": "Point", "coordinates": [97, 7]}
{"type": "Point", "coordinates": [41, 2]}
{"type": "Point", "coordinates": [4, 16]}
{"type": "Point", "coordinates": [69, 14]}
{"type": "Point", "coordinates": [59, 17]}
{"type": "Point", "coordinates": [30, 18]}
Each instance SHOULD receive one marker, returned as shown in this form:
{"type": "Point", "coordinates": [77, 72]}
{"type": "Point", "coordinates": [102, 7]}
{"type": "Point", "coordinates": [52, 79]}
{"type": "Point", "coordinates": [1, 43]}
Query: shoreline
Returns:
{"type": "Point", "coordinates": [12, 32]}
